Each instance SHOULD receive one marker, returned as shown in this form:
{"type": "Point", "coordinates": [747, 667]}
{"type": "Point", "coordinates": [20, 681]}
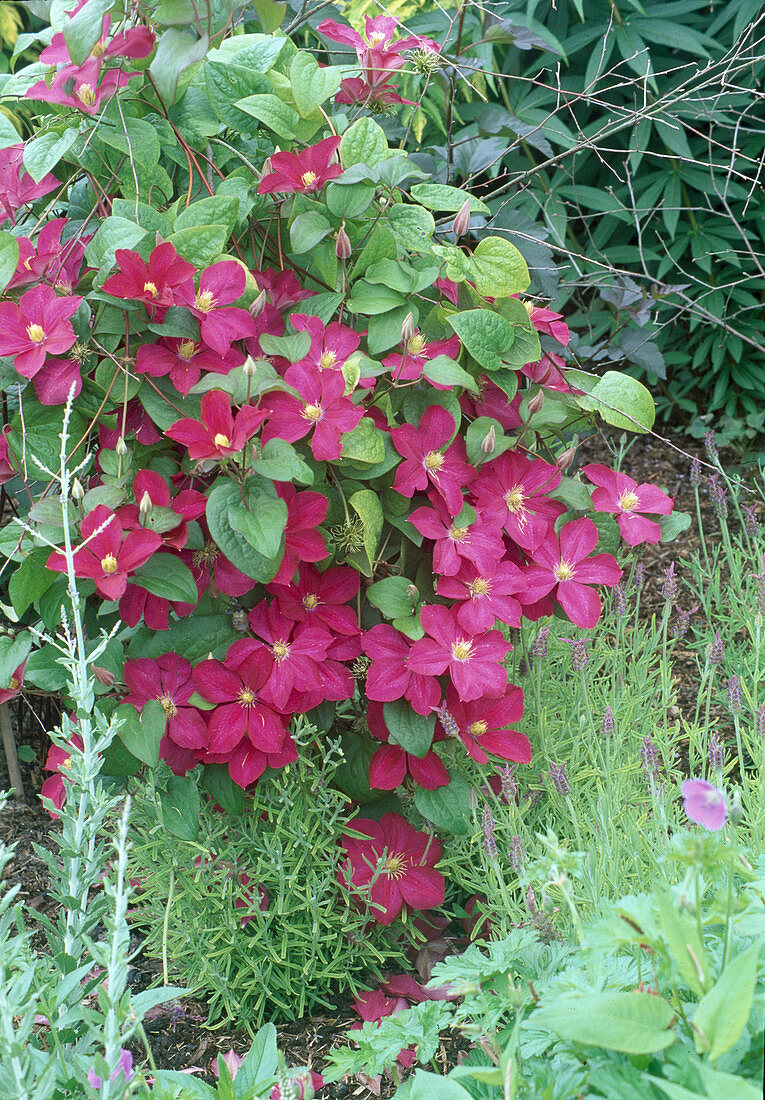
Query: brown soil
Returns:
{"type": "Point", "coordinates": [177, 1034]}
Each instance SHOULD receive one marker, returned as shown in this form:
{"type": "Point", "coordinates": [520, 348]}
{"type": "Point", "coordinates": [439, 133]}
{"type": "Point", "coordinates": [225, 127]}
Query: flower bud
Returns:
{"type": "Point", "coordinates": [566, 458]}
{"type": "Point", "coordinates": [407, 328]}
{"type": "Point", "coordinates": [145, 505]}
{"type": "Point", "coordinates": [489, 441]}
{"type": "Point", "coordinates": [461, 223]}
{"type": "Point", "coordinates": [239, 620]}
{"type": "Point", "coordinates": [735, 809]}
{"type": "Point", "coordinates": [258, 304]}
{"type": "Point", "coordinates": [121, 447]}
{"type": "Point", "coordinates": [103, 675]}
{"type": "Point", "coordinates": [248, 367]}
{"type": "Point", "coordinates": [535, 404]}
{"type": "Point", "coordinates": [413, 592]}
{"type": "Point", "coordinates": [77, 491]}
{"type": "Point", "coordinates": [343, 247]}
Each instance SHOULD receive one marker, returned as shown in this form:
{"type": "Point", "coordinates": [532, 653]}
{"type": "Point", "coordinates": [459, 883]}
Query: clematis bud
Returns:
{"type": "Point", "coordinates": [343, 247]}
{"type": "Point", "coordinates": [145, 505]}
{"type": "Point", "coordinates": [566, 458]}
{"type": "Point", "coordinates": [77, 491]}
{"type": "Point", "coordinates": [121, 447]}
{"type": "Point", "coordinates": [461, 223]}
{"type": "Point", "coordinates": [248, 367]}
{"type": "Point", "coordinates": [407, 329]}
{"type": "Point", "coordinates": [103, 675]}
{"type": "Point", "coordinates": [489, 441]}
{"type": "Point", "coordinates": [535, 404]}
{"type": "Point", "coordinates": [413, 592]}
{"type": "Point", "coordinates": [258, 304]}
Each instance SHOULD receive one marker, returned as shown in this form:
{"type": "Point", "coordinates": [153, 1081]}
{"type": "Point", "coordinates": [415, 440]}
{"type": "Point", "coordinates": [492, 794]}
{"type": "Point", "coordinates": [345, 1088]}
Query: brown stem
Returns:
{"type": "Point", "coordinates": [11, 755]}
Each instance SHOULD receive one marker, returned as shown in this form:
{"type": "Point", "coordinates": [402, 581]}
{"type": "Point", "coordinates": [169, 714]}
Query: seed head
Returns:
{"type": "Point", "coordinates": [239, 620]}
{"type": "Point", "coordinates": [425, 61]}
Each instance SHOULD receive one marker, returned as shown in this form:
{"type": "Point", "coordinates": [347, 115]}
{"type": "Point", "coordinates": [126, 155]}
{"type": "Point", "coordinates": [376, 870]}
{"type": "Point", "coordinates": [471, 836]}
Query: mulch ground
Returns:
{"type": "Point", "coordinates": [178, 1036]}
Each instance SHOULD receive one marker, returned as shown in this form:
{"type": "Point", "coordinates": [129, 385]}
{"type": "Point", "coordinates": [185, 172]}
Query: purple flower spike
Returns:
{"type": "Point", "coordinates": [704, 804]}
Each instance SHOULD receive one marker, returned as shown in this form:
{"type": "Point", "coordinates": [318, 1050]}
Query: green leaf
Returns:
{"type": "Point", "coordinates": [13, 652]}
{"type": "Point", "coordinates": [217, 781]}
{"type": "Point", "coordinates": [432, 1086]}
{"type": "Point", "coordinates": [83, 31]}
{"type": "Point", "coordinates": [227, 83]}
{"type": "Point", "coordinates": [673, 525]}
{"type": "Point", "coordinates": [194, 637]}
{"type": "Point", "coordinates": [176, 52]}
{"type": "Point", "coordinates": [448, 807]}
{"type": "Point", "coordinates": [263, 525]}
{"type": "Point", "coordinates": [293, 347]}
{"type": "Point", "coordinates": [255, 52]}
{"type": "Point", "coordinates": [366, 505]}
{"type": "Point", "coordinates": [260, 1062]}
{"type": "Point", "coordinates": [486, 335]}
{"type": "Point", "coordinates": [412, 226]}
{"type": "Point", "coordinates": [43, 153]}
{"type": "Point", "coordinates": [682, 938]}
{"type": "Point", "coordinates": [724, 1011]}
{"type": "Point", "coordinates": [9, 258]}
{"type": "Point", "coordinates": [30, 580]}
{"type": "Point", "coordinates": [142, 732]}
{"type": "Point", "coordinates": [390, 596]}
{"type": "Point", "coordinates": [310, 84]}
{"type": "Point", "coordinates": [225, 496]}
{"type": "Point", "coordinates": [364, 142]}
{"type": "Point", "coordinates": [632, 1023]}
{"type": "Point", "coordinates": [180, 807]}
{"type": "Point", "coordinates": [215, 210]}
{"type": "Point", "coordinates": [169, 578]}
{"type": "Point", "coordinates": [348, 201]}
{"type": "Point", "coordinates": [446, 372]}
{"type": "Point", "coordinates": [439, 196]}
{"type": "Point", "coordinates": [372, 298]}
{"type": "Point", "coordinates": [113, 233]}
{"type": "Point", "coordinates": [281, 462]}
{"type": "Point", "coordinates": [201, 244]}
{"type": "Point", "coordinates": [476, 434]}
{"type": "Point", "coordinates": [412, 731]}
{"type": "Point", "coordinates": [497, 268]}
{"type": "Point", "coordinates": [307, 230]}
{"type": "Point", "coordinates": [617, 398]}
{"type": "Point", "coordinates": [273, 113]}
{"type": "Point", "coordinates": [365, 443]}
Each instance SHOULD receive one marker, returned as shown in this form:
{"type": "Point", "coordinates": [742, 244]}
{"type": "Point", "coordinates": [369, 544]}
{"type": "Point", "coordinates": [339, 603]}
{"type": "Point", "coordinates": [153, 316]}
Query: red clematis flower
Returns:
{"type": "Point", "coordinates": [80, 87]}
{"type": "Point", "coordinates": [512, 490]}
{"type": "Point", "coordinates": [492, 401]}
{"type": "Point", "coordinates": [474, 662]}
{"type": "Point", "coordinates": [138, 422]}
{"type": "Point", "coordinates": [157, 510]}
{"type": "Point", "coordinates": [282, 287]}
{"type": "Point", "coordinates": [37, 327]}
{"type": "Point", "coordinates": [407, 365]}
{"type": "Point", "coordinates": [321, 599]}
{"type": "Point", "coordinates": [59, 762]}
{"type": "Point", "coordinates": [563, 564]}
{"type": "Point", "coordinates": [390, 764]}
{"type": "Point", "coordinates": [355, 91]}
{"type": "Point", "coordinates": [137, 603]}
{"type": "Point", "coordinates": [17, 190]}
{"type": "Point", "coordinates": [391, 675]}
{"type": "Point", "coordinates": [183, 361]}
{"type": "Point", "coordinates": [169, 681]}
{"type": "Point", "coordinates": [106, 557]}
{"type": "Point", "coordinates": [153, 283]}
{"type": "Point", "coordinates": [485, 597]}
{"type": "Point", "coordinates": [236, 686]}
{"type": "Point", "coordinates": [321, 408]}
{"type": "Point", "coordinates": [210, 566]}
{"type": "Point", "coordinates": [379, 55]}
{"type": "Point", "coordinates": [619, 494]}
{"type": "Point", "coordinates": [6, 466]}
{"type": "Point", "coordinates": [482, 725]}
{"type": "Point", "coordinates": [246, 763]}
{"type": "Point", "coordinates": [134, 42]}
{"type": "Point", "coordinates": [406, 860]}
{"type": "Point", "coordinates": [15, 684]}
{"type": "Point", "coordinates": [479, 543]}
{"type": "Point", "coordinates": [429, 461]}
{"type": "Point", "coordinates": [217, 434]}
{"type": "Point", "coordinates": [331, 345]}
{"type": "Point", "coordinates": [219, 322]}
{"type": "Point", "coordinates": [551, 324]}
{"type": "Point", "coordinates": [302, 541]}
{"type": "Point", "coordinates": [305, 172]}
{"type": "Point", "coordinates": [57, 262]}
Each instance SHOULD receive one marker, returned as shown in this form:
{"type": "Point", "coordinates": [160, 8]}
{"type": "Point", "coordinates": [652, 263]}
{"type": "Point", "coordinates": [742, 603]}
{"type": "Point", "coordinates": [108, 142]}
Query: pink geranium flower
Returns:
{"type": "Point", "coordinates": [474, 662]}
{"type": "Point", "coordinates": [512, 491]}
{"type": "Point", "coordinates": [479, 543]}
{"type": "Point", "coordinates": [485, 596]}
{"type": "Point", "coordinates": [302, 539]}
{"type": "Point", "coordinates": [106, 557]}
{"type": "Point", "coordinates": [482, 725]}
{"type": "Point", "coordinates": [391, 675]}
{"type": "Point", "coordinates": [236, 687]}
{"type": "Point", "coordinates": [153, 283]}
{"type": "Point", "coordinates": [17, 190]}
{"type": "Point", "coordinates": [704, 804]}
{"type": "Point", "coordinates": [391, 865]}
{"type": "Point", "coordinates": [429, 461]}
{"type": "Point", "coordinates": [563, 567]}
{"type": "Point", "coordinates": [37, 327]}
{"type": "Point", "coordinates": [407, 364]}
{"type": "Point", "coordinates": [331, 346]}
{"type": "Point", "coordinates": [390, 764]}
{"type": "Point", "coordinates": [619, 494]}
{"type": "Point", "coordinates": [217, 434]}
{"type": "Point", "coordinates": [322, 408]}
{"type": "Point", "coordinates": [183, 361]}
{"type": "Point", "coordinates": [168, 679]}
{"type": "Point", "coordinates": [219, 322]}
{"type": "Point", "coordinates": [305, 172]}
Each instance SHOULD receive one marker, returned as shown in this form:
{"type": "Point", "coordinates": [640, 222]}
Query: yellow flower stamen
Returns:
{"type": "Point", "coordinates": [328, 359]}
{"type": "Point", "coordinates": [86, 95]}
{"type": "Point", "coordinates": [308, 179]}
{"type": "Point", "coordinates": [310, 602]}
{"type": "Point", "coordinates": [204, 301]}
{"type": "Point", "coordinates": [480, 587]}
{"type": "Point", "coordinates": [312, 412]}
{"type": "Point", "coordinates": [109, 564]}
{"type": "Point", "coordinates": [462, 650]}
{"type": "Point", "coordinates": [629, 501]}
{"type": "Point", "coordinates": [434, 460]}
{"type": "Point", "coordinates": [564, 571]}
{"type": "Point", "coordinates": [36, 333]}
